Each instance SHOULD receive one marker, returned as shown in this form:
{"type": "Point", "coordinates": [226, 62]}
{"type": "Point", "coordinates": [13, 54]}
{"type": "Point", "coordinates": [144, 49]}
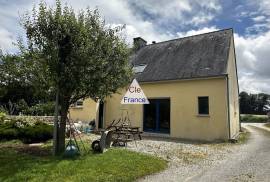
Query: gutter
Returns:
{"type": "Point", "coordinates": [228, 107]}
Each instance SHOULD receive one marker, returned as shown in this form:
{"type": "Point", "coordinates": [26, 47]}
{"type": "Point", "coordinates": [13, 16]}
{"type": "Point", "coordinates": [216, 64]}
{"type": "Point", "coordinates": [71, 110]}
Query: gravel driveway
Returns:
{"type": "Point", "coordinates": [185, 159]}
{"type": "Point", "coordinates": [211, 162]}
{"type": "Point", "coordinates": [250, 163]}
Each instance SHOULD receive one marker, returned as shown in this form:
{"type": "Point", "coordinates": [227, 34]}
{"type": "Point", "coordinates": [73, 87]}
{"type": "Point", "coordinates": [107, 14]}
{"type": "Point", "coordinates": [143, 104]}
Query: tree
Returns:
{"type": "Point", "coordinates": [254, 103]}
{"type": "Point", "coordinates": [244, 103]}
{"type": "Point", "coordinates": [18, 85]}
{"type": "Point", "coordinates": [82, 56]}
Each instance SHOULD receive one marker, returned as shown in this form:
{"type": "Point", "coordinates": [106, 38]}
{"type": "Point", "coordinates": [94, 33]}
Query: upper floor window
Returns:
{"type": "Point", "coordinates": [79, 103]}
{"type": "Point", "coordinates": [203, 105]}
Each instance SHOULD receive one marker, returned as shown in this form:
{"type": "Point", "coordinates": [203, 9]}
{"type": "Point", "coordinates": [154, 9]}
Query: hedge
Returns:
{"type": "Point", "coordinates": [254, 118]}
{"type": "Point", "coordinates": [26, 132]}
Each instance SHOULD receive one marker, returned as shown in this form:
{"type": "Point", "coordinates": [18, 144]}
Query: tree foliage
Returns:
{"type": "Point", "coordinates": [19, 83]}
{"type": "Point", "coordinates": [80, 56]}
{"type": "Point", "coordinates": [254, 103]}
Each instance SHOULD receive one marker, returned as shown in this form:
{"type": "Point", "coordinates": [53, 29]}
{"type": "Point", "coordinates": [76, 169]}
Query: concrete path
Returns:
{"type": "Point", "coordinates": [250, 163]}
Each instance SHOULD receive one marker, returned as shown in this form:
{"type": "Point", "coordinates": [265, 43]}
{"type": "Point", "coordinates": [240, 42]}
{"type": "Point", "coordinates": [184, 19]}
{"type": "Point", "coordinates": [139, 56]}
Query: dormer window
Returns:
{"type": "Point", "coordinates": [139, 68]}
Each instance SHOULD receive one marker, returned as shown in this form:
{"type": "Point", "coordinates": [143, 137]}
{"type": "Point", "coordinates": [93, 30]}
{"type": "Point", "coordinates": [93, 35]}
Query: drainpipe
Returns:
{"type": "Point", "coordinates": [228, 106]}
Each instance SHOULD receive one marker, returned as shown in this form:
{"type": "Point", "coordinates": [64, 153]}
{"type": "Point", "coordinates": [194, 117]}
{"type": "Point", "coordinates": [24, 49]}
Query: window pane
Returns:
{"type": "Point", "coordinates": [164, 115]}
{"type": "Point", "coordinates": [79, 103]}
{"type": "Point", "coordinates": [203, 105]}
{"type": "Point", "coordinates": [150, 115]}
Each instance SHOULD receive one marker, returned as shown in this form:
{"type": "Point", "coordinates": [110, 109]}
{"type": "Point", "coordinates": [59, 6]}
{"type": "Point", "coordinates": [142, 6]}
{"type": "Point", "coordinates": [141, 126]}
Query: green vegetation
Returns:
{"type": "Point", "coordinates": [267, 125]}
{"type": "Point", "coordinates": [19, 88]}
{"type": "Point", "coordinates": [254, 103]}
{"type": "Point", "coordinates": [253, 118]}
{"type": "Point", "coordinates": [76, 54]}
{"type": "Point", "coordinates": [24, 163]}
{"type": "Point", "coordinates": [28, 132]}
{"type": "Point", "coordinates": [42, 109]}
{"type": "Point", "coordinates": [243, 136]}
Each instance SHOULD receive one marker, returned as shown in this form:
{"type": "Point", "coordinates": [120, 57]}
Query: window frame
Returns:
{"type": "Point", "coordinates": [199, 103]}
{"type": "Point", "coordinates": [78, 106]}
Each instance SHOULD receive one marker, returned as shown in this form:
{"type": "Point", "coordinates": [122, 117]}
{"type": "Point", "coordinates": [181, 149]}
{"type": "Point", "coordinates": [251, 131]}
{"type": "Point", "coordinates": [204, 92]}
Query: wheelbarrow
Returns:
{"type": "Point", "coordinates": [102, 144]}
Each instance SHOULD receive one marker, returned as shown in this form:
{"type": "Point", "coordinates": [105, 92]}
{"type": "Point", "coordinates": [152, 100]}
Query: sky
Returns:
{"type": "Point", "coordinates": [160, 20]}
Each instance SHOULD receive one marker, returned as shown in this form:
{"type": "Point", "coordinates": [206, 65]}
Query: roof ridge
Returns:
{"type": "Point", "coordinates": [191, 36]}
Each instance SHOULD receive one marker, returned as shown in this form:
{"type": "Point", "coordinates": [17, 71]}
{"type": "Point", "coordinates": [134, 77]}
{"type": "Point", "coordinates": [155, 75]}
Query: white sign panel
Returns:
{"type": "Point", "coordinates": [134, 94]}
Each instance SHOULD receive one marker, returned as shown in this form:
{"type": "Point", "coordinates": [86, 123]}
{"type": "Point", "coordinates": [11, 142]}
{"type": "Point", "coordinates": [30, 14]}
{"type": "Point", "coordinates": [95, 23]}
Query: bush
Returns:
{"type": "Point", "coordinates": [26, 132]}
{"type": "Point", "coordinates": [9, 130]}
{"type": "Point", "coordinates": [254, 118]}
{"type": "Point", "coordinates": [3, 110]}
{"type": "Point", "coordinates": [39, 132]}
{"type": "Point", "coordinates": [8, 133]}
{"type": "Point", "coordinates": [2, 117]}
{"type": "Point", "coordinates": [43, 109]}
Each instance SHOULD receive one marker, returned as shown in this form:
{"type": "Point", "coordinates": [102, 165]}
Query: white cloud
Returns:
{"type": "Point", "coordinates": [167, 13]}
{"type": "Point", "coordinates": [162, 20]}
{"type": "Point", "coordinates": [259, 18]}
{"type": "Point", "coordinates": [251, 84]}
{"type": "Point", "coordinates": [177, 12]}
{"type": "Point", "coordinates": [195, 32]}
{"type": "Point", "coordinates": [253, 62]}
{"type": "Point", "coordinates": [264, 6]}
{"type": "Point", "coordinates": [6, 40]}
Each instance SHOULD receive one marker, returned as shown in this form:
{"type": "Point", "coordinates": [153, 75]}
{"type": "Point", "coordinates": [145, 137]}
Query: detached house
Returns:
{"type": "Point", "coordinates": [191, 84]}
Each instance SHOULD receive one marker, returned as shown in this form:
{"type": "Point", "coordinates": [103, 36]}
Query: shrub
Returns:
{"type": "Point", "coordinates": [9, 130]}
{"type": "Point", "coordinates": [39, 132]}
{"type": "Point", "coordinates": [3, 110]}
{"type": "Point", "coordinates": [8, 133]}
{"type": "Point", "coordinates": [21, 106]}
{"type": "Point", "coordinates": [2, 117]}
{"type": "Point", "coordinates": [42, 109]}
{"type": "Point", "coordinates": [27, 132]}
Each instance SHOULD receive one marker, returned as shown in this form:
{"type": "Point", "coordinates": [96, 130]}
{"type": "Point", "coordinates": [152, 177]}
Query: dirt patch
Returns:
{"type": "Point", "coordinates": [28, 149]}
{"type": "Point", "coordinates": [35, 151]}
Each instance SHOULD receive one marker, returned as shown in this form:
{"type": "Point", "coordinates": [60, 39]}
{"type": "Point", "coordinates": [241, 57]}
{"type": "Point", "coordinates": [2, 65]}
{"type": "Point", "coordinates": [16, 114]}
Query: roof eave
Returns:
{"type": "Point", "coordinates": [185, 79]}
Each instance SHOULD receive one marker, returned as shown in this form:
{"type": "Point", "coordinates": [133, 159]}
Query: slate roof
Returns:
{"type": "Point", "coordinates": [203, 55]}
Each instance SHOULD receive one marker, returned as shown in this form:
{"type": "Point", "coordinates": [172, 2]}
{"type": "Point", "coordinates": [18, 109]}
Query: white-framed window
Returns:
{"type": "Point", "coordinates": [77, 104]}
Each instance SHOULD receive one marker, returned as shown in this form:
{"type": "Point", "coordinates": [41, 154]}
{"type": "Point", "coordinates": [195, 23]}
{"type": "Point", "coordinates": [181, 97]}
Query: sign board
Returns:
{"type": "Point", "coordinates": [134, 95]}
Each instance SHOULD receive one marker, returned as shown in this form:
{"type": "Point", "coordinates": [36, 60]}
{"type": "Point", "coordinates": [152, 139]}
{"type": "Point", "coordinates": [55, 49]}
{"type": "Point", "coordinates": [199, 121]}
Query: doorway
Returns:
{"type": "Point", "coordinates": [157, 116]}
{"type": "Point", "coordinates": [100, 114]}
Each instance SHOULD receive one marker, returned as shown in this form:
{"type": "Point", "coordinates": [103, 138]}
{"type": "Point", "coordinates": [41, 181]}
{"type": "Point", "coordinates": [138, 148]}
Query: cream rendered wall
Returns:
{"type": "Point", "coordinates": [233, 93]}
{"type": "Point", "coordinates": [85, 113]}
{"type": "Point", "coordinates": [185, 122]}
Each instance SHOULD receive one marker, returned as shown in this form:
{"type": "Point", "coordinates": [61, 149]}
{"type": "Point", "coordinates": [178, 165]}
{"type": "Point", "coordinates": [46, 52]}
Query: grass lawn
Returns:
{"type": "Point", "coordinates": [19, 162]}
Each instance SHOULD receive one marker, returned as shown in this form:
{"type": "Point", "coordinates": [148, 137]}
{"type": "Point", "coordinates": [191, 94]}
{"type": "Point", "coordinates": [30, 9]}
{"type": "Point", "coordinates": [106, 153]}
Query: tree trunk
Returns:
{"type": "Point", "coordinates": [62, 127]}
{"type": "Point", "coordinates": [55, 129]}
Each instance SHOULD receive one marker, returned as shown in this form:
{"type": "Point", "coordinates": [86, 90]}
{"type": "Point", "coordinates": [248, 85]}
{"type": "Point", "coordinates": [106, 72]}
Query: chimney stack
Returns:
{"type": "Point", "coordinates": [138, 43]}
